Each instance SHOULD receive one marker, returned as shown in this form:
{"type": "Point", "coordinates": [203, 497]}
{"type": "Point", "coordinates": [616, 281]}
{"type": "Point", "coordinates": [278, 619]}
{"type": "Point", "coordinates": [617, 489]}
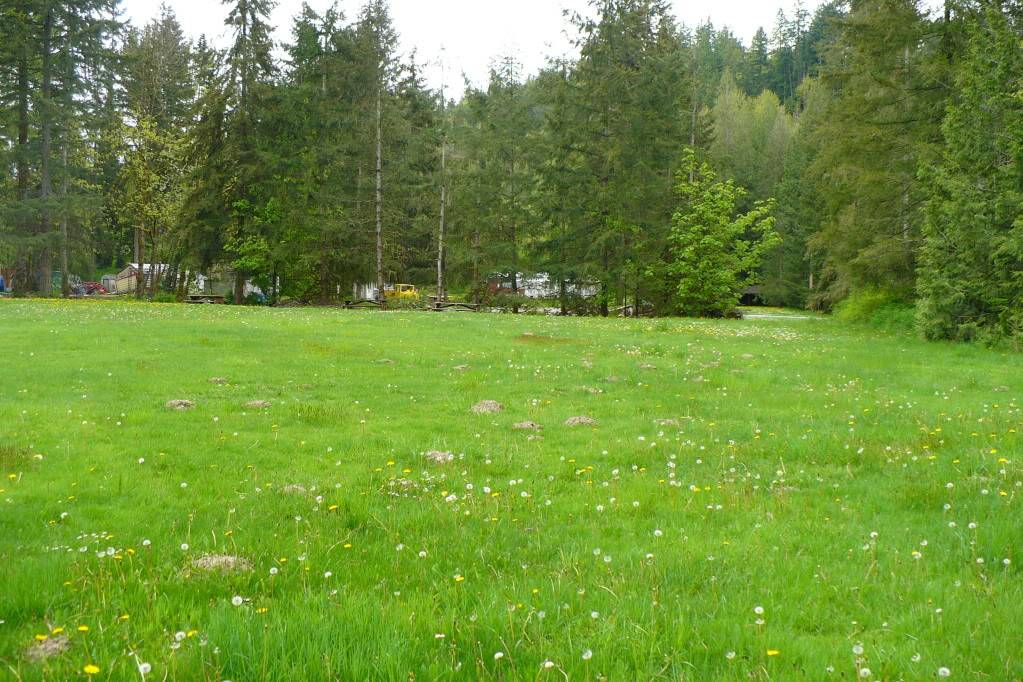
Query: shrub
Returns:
{"type": "Point", "coordinates": [877, 308]}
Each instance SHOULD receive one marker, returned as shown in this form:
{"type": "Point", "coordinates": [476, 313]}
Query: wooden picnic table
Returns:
{"type": "Point", "coordinates": [364, 303]}
{"type": "Point", "coordinates": [204, 298]}
{"type": "Point", "coordinates": [440, 306]}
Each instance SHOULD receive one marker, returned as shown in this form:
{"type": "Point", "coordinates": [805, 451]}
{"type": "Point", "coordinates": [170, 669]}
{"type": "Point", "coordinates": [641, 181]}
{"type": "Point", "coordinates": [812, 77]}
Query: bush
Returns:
{"type": "Point", "coordinates": [877, 308]}
{"type": "Point", "coordinates": [164, 297]}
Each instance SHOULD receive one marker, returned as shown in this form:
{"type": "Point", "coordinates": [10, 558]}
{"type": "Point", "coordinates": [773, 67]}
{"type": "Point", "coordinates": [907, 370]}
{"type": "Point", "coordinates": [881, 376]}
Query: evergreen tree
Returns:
{"type": "Point", "coordinates": [888, 94]}
{"type": "Point", "coordinates": [971, 263]}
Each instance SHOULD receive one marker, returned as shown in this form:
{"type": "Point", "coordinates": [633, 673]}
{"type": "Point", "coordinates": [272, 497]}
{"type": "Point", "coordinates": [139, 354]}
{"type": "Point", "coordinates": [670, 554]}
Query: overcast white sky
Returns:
{"type": "Point", "coordinates": [472, 32]}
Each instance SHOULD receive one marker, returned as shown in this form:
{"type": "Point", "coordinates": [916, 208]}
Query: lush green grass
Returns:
{"type": "Point", "coordinates": [824, 475]}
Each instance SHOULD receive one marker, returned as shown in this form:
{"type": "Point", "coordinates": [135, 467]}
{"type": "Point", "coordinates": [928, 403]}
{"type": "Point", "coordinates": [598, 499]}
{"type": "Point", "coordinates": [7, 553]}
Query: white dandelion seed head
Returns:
{"type": "Point", "coordinates": [498, 655]}
{"type": "Point", "coordinates": [587, 655]}
{"type": "Point", "coordinates": [145, 668]}
{"type": "Point", "coordinates": [237, 600]}
{"type": "Point", "coordinates": [858, 649]}
{"type": "Point", "coordinates": [944, 672]}
{"type": "Point", "coordinates": [864, 673]}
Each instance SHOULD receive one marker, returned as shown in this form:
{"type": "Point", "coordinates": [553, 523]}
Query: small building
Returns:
{"type": "Point", "coordinates": [126, 280]}
{"type": "Point", "coordinates": [538, 285]}
{"type": "Point", "coordinates": [220, 281]}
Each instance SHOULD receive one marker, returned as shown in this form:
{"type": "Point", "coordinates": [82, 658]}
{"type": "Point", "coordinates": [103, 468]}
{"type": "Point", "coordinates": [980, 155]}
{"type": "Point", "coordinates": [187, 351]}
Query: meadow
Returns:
{"type": "Point", "coordinates": [772, 499]}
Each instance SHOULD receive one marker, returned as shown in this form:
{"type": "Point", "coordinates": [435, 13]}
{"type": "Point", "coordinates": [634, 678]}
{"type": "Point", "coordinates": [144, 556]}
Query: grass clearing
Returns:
{"type": "Point", "coordinates": [779, 498]}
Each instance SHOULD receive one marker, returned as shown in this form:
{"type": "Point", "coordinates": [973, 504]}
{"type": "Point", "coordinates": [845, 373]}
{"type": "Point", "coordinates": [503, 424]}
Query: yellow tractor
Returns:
{"type": "Point", "coordinates": [402, 293]}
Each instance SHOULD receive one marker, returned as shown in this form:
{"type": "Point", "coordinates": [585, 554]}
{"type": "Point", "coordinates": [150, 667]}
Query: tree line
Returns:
{"type": "Point", "coordinates": [872, 147]}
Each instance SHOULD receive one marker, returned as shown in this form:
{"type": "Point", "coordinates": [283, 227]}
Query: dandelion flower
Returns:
{"type": "Point", "coordinates": [184, 546]}
{"type": "Point", "coordinates": [145, 668]}
{"type": "Point", "coordinates": [237, 600]}
{"type": "Point", "coordinates": [773, 652]}
{"type": "Point", "coordinates": [548, 664]}
{"type": "Point", "coordinates": [864, 672]}
{"type": "Point", "coordinates": [944, 672]}
{"type": "Point", "coordinates": [587, 655]}
{"type": "Point", "coordinates": [759, 610]}
{"type": "Point", "coordinates": [730, 655]}
{"type": "Point", "coordinates": [858, 649]}
{"type": "Point", "coordinates": [498, 655]}
{"type": "Point", "coordinates": [90, 669]}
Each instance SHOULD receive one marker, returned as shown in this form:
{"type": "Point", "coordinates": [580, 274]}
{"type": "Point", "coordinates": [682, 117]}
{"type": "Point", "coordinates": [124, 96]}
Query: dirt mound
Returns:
{"type": "Point", "coordinates": [225, 563]}
{"type": "Point", "coordinates": [439, 457]}
{"type": "Point", "coordinates": [258, 404]}
{"type": "Point", "coordinates": [580, 421]}
{"type": "Point", "coordinates": [180, 405]}
{"type": "Point", "coordinates": [48, 648]}
{"type": "Point", "coordinates": [526, 426]}
{"type": "Point", "coordinates": [487, 407]}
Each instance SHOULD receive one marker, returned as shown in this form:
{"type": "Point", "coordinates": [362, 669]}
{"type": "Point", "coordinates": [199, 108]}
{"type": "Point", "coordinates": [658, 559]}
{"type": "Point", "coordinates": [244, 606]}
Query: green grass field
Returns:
{"type": "Point", "coordinates": [763, 499]}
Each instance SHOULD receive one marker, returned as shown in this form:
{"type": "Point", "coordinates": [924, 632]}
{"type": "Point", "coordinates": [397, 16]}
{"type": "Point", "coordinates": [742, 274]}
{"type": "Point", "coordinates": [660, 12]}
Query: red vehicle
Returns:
{"type": "Point", "coordinates": [93, 289]}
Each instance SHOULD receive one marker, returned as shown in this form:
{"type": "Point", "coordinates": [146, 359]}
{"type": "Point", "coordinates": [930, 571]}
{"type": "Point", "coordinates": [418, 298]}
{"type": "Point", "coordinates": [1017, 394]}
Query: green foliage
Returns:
{"type": "Point", "coordinates": [715, 252]}
{"type": "Point", "coordinates": [886, 77]}
{"type": "Point", "coordinates": [877, 308]}
{"type": "Point", "coordinates": [971, 265]}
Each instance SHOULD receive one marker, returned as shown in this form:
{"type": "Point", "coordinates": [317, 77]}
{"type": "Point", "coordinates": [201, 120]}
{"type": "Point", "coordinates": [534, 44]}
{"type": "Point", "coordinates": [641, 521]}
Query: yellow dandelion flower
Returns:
{"type": "Point", "coordinates": [90, 669]}
{"type": "Point", "coordinates": [773, 652]}
{"type": "Point", "coordinates": [42, 638]}
{"type": "Point", "coordinates": [459, 578]}
{"type": "Point", "coordinates": [83, 628]}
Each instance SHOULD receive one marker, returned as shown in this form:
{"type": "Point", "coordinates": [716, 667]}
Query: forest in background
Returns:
{"type": "Point", "coordinates": [865, 154]}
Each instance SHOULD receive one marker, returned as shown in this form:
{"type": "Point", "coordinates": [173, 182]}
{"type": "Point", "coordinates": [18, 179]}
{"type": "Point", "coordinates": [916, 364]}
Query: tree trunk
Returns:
{"type": "Point", "coordinates": [46, 181]}
{"type": "Point", "coordinates": [379, 205]}
{"type": "Point", "coordinates": [562, 296]}
{"type": "Point", "coordinates": [239, 288]}
{"type": "Point", "coordinates": [65, 282]}
{"type": "Point", "coordinates": [140, 271]}
{"type": "Point", "coordinates": [441, 296]}
{"type": "Point", "coordinates": [155, 269]}
{"type": "Point", "coordinates": [21, 279]}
